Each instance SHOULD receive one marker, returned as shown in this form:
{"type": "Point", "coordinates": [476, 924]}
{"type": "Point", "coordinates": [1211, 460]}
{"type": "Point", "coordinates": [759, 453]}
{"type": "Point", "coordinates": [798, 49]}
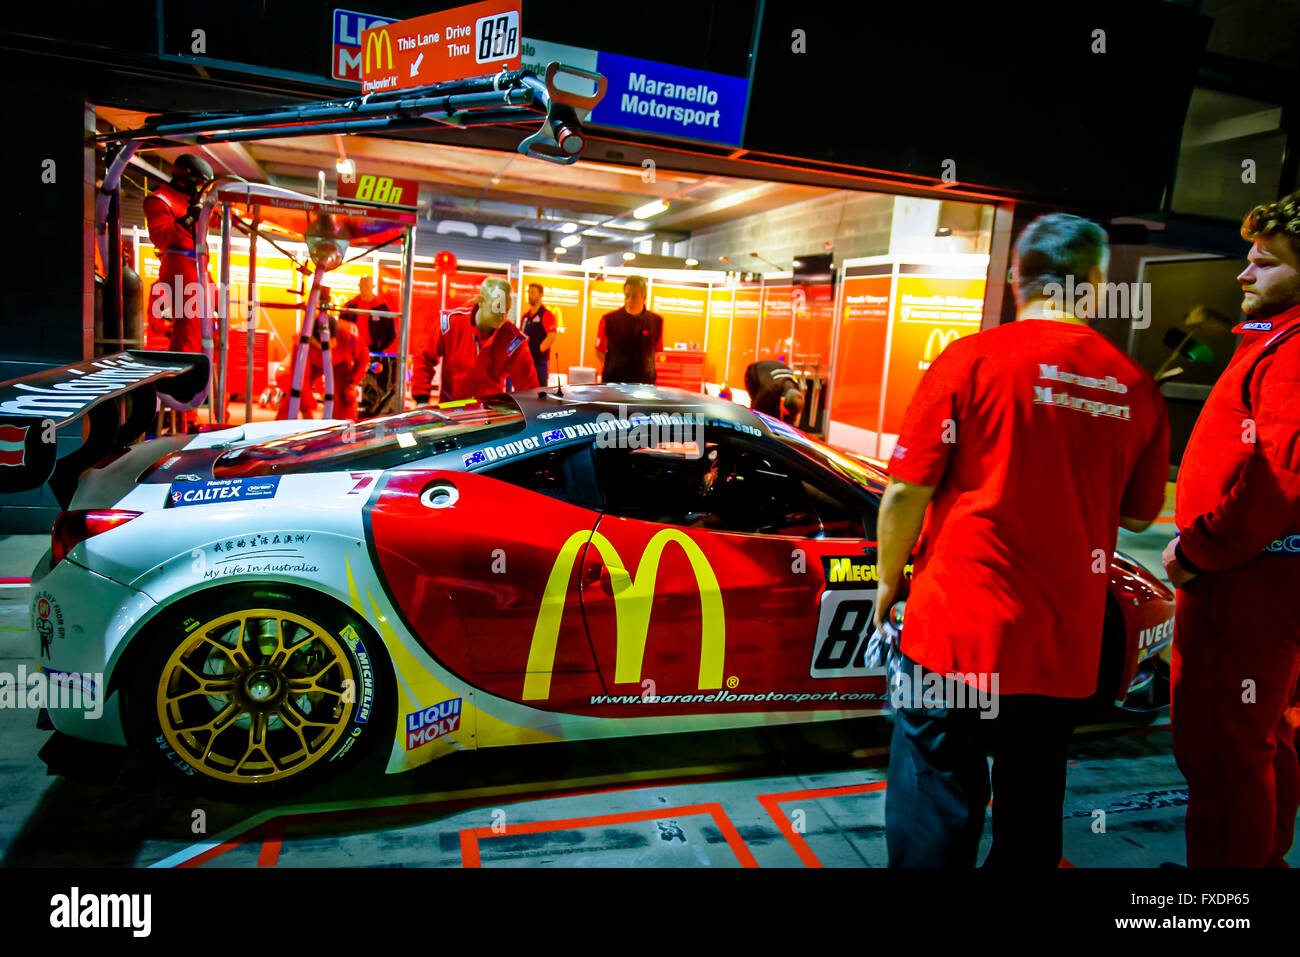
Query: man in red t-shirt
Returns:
{"type": "Point", "coordinates": [1029, 443]}
{"type": "Point", "coordinates": [1236, 565]}
{"type": "Point", "coordinates": [480, 348]}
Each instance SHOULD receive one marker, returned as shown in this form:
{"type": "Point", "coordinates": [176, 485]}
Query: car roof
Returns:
{"type": "Point", "coordinates": [587, 403]}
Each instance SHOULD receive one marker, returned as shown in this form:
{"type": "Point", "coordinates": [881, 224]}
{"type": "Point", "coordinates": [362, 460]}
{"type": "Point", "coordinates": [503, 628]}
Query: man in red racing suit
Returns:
{"type": "Point", "coordinates": [170, 212]}
{"type": "Point", "coordinates": [349, 359]}
{"type": "Point", "coordinates": [1236, 564]}
{"type": "Point", "coordinates": [480, 348]}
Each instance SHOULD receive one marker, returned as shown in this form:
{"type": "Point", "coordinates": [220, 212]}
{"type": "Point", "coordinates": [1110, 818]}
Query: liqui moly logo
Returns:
{"type": "Point", "coordinates": [432, 723]}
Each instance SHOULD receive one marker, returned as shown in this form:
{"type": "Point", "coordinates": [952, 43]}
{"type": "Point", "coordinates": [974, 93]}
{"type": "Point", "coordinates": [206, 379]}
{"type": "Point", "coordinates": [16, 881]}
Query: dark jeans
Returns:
{"type": "Point", "coordinates": [543, 367]}
{"type": "Point", "coordinates": [939, 779]}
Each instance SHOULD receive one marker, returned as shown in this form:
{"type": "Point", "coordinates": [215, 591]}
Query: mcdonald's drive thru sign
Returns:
{"type": "Point", "coordinates": [474, 40]}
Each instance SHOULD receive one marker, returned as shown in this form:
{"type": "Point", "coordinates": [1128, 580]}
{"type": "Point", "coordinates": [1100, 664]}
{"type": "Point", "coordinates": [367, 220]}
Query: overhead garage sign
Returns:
{"type": "Point", "coordinates": [652, 97]}
{"type": "Point", "coordinates": [468, 41]}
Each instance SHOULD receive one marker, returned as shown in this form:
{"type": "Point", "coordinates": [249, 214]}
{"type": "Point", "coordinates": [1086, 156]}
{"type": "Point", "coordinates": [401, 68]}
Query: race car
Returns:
{"type": "Point", "coordinates": [256, 607]}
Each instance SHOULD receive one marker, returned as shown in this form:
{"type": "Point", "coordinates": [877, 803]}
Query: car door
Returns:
{"type": "Point", "coordinates": [504, 546]}
{"type": "Point", "coordinates": [703, 585]}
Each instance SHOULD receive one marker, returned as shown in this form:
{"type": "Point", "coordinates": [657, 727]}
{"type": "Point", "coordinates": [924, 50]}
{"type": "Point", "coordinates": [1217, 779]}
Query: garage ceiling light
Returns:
{"type": "Point", "coordinates": [559, 250]}
{"type": "Point", "coordinates": [570, 241]}
{"type": "Point", "coordinates": [650, 209]}
{"type": "Point", "coordinates": [569, 228]}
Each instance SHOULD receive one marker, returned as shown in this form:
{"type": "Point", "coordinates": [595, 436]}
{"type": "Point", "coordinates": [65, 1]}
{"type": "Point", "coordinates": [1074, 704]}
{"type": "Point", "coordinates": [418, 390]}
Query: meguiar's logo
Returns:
{"type": "Point", "coordinates": [379, 41]}
{"type": "Point", "coordinates": [634, 594]}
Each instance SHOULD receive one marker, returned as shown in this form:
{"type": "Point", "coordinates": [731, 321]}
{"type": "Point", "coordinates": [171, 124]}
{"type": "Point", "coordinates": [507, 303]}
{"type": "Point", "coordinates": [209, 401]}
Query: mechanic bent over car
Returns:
{"type": "Point", "coordinates": [1006, 426]}
{"type": "Point", "coordinates": [1236, 565]}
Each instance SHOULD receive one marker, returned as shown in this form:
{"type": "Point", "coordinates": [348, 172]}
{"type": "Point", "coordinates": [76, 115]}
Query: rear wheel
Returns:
{"type": "Point", "coordinates": [255, 690]}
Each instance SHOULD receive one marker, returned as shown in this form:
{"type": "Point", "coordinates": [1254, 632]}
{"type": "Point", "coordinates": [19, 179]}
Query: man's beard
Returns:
{"type": "Point", "coordinates": [1268, 308]}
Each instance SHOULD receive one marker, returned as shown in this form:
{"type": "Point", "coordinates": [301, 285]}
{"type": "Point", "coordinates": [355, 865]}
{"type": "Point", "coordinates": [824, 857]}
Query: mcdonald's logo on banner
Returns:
{"type": "Point", "coordinates": [633, 597]}
{"type": "Point", "coordinates": [939, 340]}
{"type": "Point", "coordinates": [379, 41]}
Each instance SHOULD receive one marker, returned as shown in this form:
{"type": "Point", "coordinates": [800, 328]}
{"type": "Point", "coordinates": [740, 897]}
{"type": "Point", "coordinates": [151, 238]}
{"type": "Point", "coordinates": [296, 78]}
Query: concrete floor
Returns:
{"type": "Point", "coordinates": [773, 797]}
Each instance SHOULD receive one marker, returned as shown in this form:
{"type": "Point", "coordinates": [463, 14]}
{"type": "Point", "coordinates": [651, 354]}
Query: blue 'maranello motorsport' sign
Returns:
{"type": "Point", "coordinates": [671, 100]}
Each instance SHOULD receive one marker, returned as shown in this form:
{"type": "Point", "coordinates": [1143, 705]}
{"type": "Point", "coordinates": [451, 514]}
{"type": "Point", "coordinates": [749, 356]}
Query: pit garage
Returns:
{"type": "Point", "coordinates": [342, 623]}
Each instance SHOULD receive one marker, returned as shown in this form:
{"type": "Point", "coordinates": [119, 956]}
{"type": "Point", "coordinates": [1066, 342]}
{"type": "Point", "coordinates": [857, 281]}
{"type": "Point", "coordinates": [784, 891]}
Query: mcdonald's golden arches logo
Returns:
{"type": "Point", "coordinates": [379, 41]}
{"type": "Point", "coordinates": [634, 594]}
{"type": "Point", "coordinates": [940, 337]}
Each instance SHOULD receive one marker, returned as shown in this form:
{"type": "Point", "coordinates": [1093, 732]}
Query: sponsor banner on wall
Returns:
{"type": "Point", "coordinates": [683, 309]}
{"type": "Point", "coordinates": [562, 294]}
{"type": "Point", "coordinates": [860, 353]}
{"type": "Point", "coordinates": [603, 295]}
{"type": "Point", "coordinates": [930, 313]}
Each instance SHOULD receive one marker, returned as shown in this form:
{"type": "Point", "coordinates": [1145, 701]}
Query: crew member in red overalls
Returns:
{"type": "Point", "coordinates": [480, 349]}
{"type": "Point", "coordinates": [1236, 564]}
{"type": "Point", "coordinates": [170, 212]}
{"type": "Point", "coordinates": [349, 358]}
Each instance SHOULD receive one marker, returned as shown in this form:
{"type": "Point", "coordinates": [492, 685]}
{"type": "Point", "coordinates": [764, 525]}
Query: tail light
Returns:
{"type": "Point", "coordinates": [73, 527]}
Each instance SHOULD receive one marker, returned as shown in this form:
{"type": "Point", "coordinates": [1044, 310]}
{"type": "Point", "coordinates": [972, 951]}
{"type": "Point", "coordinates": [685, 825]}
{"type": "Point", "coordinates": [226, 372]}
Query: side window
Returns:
{"type": "Point", "coordinates": [722, 486]}
{"type": "Point", "coordinates": [838, 519]}
{"type": "Point", "coordinates": [563, 474]}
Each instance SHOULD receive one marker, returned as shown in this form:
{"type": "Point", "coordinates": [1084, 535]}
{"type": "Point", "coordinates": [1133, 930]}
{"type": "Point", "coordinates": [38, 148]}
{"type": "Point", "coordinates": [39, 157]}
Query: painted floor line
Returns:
{"type": "Point", "coordinates": [470, 837]}
{"type": "Point", "coordinates": [277, 820]}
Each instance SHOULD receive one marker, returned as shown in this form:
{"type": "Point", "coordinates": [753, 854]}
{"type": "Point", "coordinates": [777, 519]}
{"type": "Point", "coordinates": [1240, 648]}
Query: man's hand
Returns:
{"type": "Point", "coordinates": [1178, 575]}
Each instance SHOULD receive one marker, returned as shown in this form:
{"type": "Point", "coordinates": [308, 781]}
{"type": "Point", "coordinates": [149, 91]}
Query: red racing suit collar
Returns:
{"type": "Point", "coordinates": [1280, 321]}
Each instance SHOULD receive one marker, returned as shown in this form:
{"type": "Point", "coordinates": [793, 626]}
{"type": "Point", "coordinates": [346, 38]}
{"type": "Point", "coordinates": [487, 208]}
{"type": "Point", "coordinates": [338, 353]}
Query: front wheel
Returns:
{"type": "Point", "coordinates": [256, 689]}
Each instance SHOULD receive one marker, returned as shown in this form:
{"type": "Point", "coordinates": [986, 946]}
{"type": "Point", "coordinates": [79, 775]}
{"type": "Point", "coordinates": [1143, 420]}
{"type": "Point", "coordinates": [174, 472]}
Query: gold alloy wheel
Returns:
{"type": "Point", "coordinates": [256, 695]}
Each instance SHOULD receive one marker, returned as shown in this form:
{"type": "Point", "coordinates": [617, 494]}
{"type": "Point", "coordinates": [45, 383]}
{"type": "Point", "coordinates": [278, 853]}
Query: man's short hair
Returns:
{"type": "Point", "coordinates": [538, 286]}
{"type": "Point", "coordinates": [1055, 247]}
{"type": "Point", "coordinates": [1278, 218]}
{"type": "Point", "coordinates": [638, 281]}
{"type": "Point", "coordinates": [793, 400]}
{"type": "Point", "coordinates": [490, 283]}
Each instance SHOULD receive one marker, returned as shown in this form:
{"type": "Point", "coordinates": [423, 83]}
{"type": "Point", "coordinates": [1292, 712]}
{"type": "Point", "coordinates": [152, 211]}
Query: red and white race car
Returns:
{"type": "Point", "coordinates": [256, 608]}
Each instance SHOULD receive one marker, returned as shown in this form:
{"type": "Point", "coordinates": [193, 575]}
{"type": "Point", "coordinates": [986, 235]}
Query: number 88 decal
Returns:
{"type": "Point", "coordinates": [843, 630]}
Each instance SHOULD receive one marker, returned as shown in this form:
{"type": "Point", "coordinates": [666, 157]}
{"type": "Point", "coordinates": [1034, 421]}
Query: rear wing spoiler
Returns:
{"type": "Point", "coordinates": [118, 393]}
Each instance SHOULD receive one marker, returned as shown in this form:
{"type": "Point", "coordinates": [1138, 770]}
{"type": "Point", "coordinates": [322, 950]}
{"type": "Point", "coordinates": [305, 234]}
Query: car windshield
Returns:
{"type": "Point", "coordinates": [824, 455]}
{"type": "Point", "coordinates": [378, 443]}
